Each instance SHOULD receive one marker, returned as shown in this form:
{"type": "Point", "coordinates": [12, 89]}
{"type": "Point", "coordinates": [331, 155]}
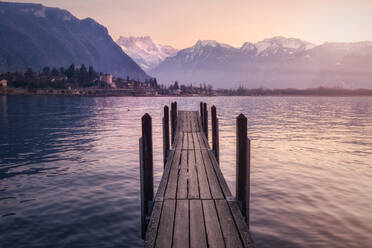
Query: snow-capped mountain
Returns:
{"type": "Point", "coordinates": [144, 51]}
{"type": "Point", "coordinates": [276, 62]}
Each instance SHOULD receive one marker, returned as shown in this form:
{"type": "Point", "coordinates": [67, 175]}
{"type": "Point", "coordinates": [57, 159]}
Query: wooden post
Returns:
{"type": "Point", "coordinates": [165, 134]}
{"type": "Point", "coordinates": [146, 172]}
{"type": "Point", "coordinates": [173, 122]}
{"type": "Point", "coordinates": [201, 113]}
{"type": "Point", "coordinates": [175, 115]}
{"type": "Point", "coordinates": [205, 117]}
{"type": "Point", "coordinates": [243, 166]}
{"type": "Point", "coordinates": [215, 136]}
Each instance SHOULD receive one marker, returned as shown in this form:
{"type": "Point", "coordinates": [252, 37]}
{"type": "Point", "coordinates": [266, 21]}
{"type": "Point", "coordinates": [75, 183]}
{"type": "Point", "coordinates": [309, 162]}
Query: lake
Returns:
{"type": "Point", "coordinates": [69, 168]}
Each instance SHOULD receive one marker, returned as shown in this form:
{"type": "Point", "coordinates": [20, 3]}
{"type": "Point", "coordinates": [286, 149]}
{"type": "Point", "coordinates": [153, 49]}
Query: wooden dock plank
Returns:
{"type": "Point", "coordinates": [182, 176]}
{"type": "Point", "coordinates": [221, 179]}
{"type": "Point", "coordinates": [164, 181]}
{"type": "Point", "coordinates": [185, 141]}
{"type": "Point", "coordinates": [214, 185]}
{"type": "Point", "coordinates": [241, 224]}
{"type": "Point", "coordinates": [165, 232]}
{"type": "Point", "coordinates": [181, 224]}
{"type": "Point", "coordinates": [212, 225]}
{"type": "Point", "coordinates": [197, 227]}
{"type": "Point", "coordinates": [171, 190]}
{"type": "Point", "coordinates": [190, 144]}
{"type": "Point", "coordinates": [153, 226]}
{"type": "Point", "coordinates": [204, 190]}
{"type": "Point", "coordinates": [228, 227]}
{"type": "Point", "coordinates": [195, 141]}
{"type": "Point", "coordinates": [193, 176]}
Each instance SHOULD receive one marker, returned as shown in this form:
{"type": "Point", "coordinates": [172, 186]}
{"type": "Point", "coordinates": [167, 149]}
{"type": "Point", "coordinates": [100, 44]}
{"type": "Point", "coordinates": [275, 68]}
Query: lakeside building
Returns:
{"type": "Point", "coordinates": [4, 83]}
{"type": "Point", "coordinates": [107, 78]}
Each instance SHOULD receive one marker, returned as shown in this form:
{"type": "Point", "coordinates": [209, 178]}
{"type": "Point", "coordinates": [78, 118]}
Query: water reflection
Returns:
{"type": "Point", "coordinates": [69, 166]}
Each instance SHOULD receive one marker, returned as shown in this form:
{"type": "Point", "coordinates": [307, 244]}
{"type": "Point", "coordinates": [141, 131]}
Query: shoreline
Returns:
{"type": "Point", "coordinates": [154, 93]}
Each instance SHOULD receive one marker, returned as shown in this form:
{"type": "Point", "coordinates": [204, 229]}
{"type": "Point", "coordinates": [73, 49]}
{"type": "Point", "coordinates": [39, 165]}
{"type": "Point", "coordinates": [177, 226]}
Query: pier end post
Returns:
{"type": "Point", "coordinates": [146, 172]}
{"type": "Point", "coordinates": [166, 134]}
{"type": "Point", "coordinates": [173, 122]}
{"type": "Point", "coordinates": [175, 114]}
{"type": "Point", "coordinates": [242, 166]}
{"type": "Point", "coordinates": [205, 117]}
{"type": "Point", "coordinates": [215, 135]}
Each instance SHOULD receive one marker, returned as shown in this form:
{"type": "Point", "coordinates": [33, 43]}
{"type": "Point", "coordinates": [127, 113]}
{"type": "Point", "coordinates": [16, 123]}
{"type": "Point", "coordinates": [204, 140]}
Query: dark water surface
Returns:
{"type": "Point", "coordinates": [69, 174]}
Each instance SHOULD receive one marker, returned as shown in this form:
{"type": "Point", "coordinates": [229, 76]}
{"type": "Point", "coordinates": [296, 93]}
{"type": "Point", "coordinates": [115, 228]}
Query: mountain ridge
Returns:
{"type": "Point", "coordinates": [275, 62]}
{"type": "Point", "coordinates": [33, 35]}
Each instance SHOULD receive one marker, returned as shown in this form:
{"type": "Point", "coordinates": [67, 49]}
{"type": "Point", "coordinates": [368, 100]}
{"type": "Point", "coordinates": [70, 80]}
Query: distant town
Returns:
{"type": "Point", "coordinates": [83, 81]}
{"type": "Point", "coordinates": [80, 80]}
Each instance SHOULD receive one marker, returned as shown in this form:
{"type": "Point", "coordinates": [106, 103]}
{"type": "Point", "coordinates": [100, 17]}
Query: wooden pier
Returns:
{"type": "Point", "coordinates": [193, 206]}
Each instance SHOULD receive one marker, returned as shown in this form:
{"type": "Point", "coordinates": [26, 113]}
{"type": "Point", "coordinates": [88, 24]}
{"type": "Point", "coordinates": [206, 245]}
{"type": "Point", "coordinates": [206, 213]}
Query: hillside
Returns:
{"type": "Point", "coordinates": [35, 36]}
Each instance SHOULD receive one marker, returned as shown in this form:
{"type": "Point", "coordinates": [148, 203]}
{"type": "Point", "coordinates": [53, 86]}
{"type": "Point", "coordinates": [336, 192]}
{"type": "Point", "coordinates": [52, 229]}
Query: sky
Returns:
{"type": "Point", "coordinates": [181, 23]}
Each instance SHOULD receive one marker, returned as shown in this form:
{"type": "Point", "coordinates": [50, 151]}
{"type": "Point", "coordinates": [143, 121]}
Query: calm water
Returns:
{"type": "Point", "coordinates": [69, 174]}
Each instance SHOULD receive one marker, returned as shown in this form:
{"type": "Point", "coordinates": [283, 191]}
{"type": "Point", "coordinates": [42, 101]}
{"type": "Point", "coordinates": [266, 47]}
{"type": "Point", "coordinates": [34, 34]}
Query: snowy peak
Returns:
{"type": "Point", "coordinates": [210, 43]}
{"type": "Point", "coordinates": [248, 48]}
{"type": "Point", "coordinates": [280, 45]}
{"type": "Point", "coordinates": [144, 51]}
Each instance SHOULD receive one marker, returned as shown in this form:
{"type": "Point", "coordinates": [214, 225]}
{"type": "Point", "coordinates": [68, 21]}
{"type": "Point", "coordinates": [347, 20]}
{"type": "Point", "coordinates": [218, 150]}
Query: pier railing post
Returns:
{"type": "Point", "coordinates": [215, 136]}
{"type": "Point", "coordinates": [165, 134]}
{"type": "Point", "coordinates": [205, 117]}
{"type": "Point", "coordinates": [173, 122]}
{"type": "Point", "coordinates": [201, 114]}
{"type": "Point", "coordinates": [242, 166]}
{"type": "Point", "coordinates": [146, 172]}
{"type": "Point", "coordinates": [175, 115]}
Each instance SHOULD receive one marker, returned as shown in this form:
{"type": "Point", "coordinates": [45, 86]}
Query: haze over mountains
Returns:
{"type": "Point", "coordinates": [35, 36]}
{"type": "Point", "coordinates": [275, 63]}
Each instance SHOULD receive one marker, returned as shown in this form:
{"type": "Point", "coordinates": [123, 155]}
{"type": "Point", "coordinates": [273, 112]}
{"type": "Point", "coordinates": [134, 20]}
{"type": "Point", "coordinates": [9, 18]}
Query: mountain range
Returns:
{"type": "Point", "coordinates": [276, 62]}
{"type": "Point", "coordinates": [32, 35]}
{"type": "Point", "coordinates": [145, 52]}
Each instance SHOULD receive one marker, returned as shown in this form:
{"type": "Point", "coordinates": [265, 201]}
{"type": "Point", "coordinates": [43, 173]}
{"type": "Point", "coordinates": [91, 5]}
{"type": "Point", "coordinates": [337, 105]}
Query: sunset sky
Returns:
{"type": "Point", "coordinates": [182, 23]}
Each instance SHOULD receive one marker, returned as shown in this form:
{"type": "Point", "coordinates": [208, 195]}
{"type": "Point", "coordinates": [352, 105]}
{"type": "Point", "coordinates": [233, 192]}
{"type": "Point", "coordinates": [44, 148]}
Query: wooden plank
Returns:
{"type": "Point", "coordinates": [202, 176]}
{"type": "Point", "coordinates": [196, 118]}
{"type": "Point", "coordinates": [152, 228]}
{"type": "Point", "coordinates": [212, 225]}
{"type": "Point", "coordinates": [193, 192]}
{"type": "Point", "coordinates": [241, 225]}
{"type": "Point", "coordinates": [164, 180]}
{"type": "Point", "coordinates": [165, 232]}
{"type": "Point", "coordinates": [203, 141]}
{"type": "Point", "coordinates": [181, 224]}
{"type": "Point", "coordinates": [190, 144]}
{"type": "Point", "coordinates": [182, 176]}
{"type": "Point", "coordinates": [179, 140]}
{"type": "Point", "coordinates": [195, 141]}
{"type": "Point", "coordinates": [171, 190]}
{"type": "Point", "coordinates": [197, 227]}
{"type": "Point", "coordinates": [225, 188]}
{"type": "Point", "coordinates": [214, 185]}
{"type": "Point", "coordinates": [228, 227]}
{"type": "Point", "coordinates": [185, 141]}
{"type": "Point", "coordinates": [176, 140]}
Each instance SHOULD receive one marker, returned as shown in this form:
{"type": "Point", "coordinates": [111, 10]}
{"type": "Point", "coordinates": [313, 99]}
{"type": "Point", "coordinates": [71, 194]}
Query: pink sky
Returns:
{"type": "Point", "coordinates": [182, 23]}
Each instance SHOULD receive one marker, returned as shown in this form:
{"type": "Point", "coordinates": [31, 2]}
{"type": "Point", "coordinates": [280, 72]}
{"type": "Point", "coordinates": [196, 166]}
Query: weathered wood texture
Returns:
{"type": "Point", "coordinates": [193, 205]}
{"type": "Point", "coordinates": [166, 146]}
{"type": "Point", "coordinates": [146, 171]}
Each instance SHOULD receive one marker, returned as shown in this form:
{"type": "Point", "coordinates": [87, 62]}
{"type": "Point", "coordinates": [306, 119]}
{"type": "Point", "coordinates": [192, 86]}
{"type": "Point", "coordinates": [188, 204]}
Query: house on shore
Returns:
{"type": "Point", "coordinates": [4, 83]}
